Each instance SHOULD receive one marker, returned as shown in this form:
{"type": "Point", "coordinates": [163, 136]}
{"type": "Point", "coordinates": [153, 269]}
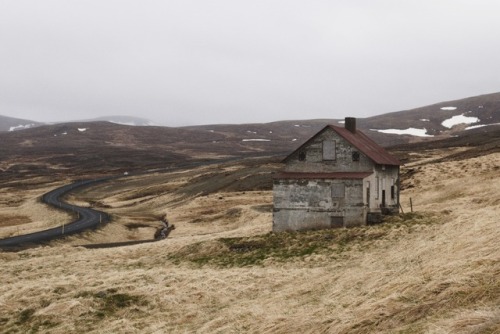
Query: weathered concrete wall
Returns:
{"type": "Point", "coordinates": [381, 180]}
{"type": "Point", "coordinates": [314, 163]}
{"type": "Point", "coordinates": [315, 204]}
{"type": "Point", "coordinates": [312, 204]}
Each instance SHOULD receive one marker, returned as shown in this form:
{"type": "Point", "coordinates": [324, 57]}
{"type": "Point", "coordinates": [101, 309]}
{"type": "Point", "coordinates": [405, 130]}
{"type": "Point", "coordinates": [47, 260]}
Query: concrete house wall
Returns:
{"type": "Point", "coordinates": [329, 182]}
{"type": "Point", "coordinates": [317, 204]}
{"type": "Point", "coordinates": [384, 179]}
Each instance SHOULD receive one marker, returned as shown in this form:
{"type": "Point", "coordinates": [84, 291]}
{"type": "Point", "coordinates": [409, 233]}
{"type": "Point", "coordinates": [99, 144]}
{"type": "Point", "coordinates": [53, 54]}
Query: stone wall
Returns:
{"type": "Point", "coordinates": [316, 204]}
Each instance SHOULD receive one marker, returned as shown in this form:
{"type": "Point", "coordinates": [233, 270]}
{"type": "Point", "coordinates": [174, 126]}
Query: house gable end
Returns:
{"type": "Point", "coordinates": [302, 148]}
{"type": "Point", "coordinates": [366, 145]}
{"type": "Point", "coordinates": [358, 140]}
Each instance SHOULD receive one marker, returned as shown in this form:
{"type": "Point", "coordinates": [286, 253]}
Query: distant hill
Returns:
{"type": "Point", "coordinates": [437, 121]}
{"type": "Point", "coordinates": [123, 120]}
{"type": "Point", "coordinates": [13, 124]}
{"type": "Point", "coordinates": [110, 148]}
{"type": "Point", "coordinates": [442, 120]}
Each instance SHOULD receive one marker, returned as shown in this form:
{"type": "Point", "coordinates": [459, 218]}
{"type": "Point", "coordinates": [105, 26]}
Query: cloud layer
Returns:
{"type": "Point", "coordinates": [198, 62]}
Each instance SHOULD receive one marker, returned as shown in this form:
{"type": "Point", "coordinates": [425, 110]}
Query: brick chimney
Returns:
{"type": "Point", "coordinates": [350, 124]}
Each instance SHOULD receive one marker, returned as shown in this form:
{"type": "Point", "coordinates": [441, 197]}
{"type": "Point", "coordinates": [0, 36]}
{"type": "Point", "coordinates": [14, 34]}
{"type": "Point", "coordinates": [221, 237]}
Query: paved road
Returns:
{"type": "Point", "coordinates": [88, 218]}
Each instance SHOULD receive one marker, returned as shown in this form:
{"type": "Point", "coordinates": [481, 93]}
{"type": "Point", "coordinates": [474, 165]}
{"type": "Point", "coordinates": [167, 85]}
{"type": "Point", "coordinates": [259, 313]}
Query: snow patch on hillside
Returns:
{"type": "Point", "coordinates": [21, 127]}
{"type": "Point", "coordinates": [480, 126]}
{"type": "Point", "coordinates": [409, 131]}
{"type": "Point", "coordinates": [82, 129]}
{"type": "Point", "coordinates": [132, 123]}
{"type": "Point", "coordinates": [449, 108]}
{"type": "Point", "coordinates": [458, 119]}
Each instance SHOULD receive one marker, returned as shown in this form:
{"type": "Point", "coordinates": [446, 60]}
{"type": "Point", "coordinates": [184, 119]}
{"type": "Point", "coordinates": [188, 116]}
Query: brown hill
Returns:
{"type": "Point", "coordinates": [84, 148]}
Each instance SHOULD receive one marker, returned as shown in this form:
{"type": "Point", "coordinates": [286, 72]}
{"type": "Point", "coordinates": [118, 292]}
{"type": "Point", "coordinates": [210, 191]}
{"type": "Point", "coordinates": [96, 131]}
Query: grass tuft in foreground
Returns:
{"type": "Point", "coordinates": [108, 302]}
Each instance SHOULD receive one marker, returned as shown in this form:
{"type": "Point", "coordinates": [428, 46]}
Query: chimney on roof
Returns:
{"type": "Point", "coordinates": [350, 124]}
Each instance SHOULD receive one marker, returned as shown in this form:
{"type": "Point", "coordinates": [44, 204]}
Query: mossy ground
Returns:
{"type": "Point", "coordinates": [286, 246]}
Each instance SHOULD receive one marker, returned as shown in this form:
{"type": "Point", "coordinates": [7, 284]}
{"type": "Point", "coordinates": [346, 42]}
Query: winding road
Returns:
{"type": "Point", "coordinates": [87, 218]}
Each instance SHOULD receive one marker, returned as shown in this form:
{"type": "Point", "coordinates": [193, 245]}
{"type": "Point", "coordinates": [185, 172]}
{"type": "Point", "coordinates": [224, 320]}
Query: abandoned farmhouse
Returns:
{"type": "Point", "coordinates": [338, 178]}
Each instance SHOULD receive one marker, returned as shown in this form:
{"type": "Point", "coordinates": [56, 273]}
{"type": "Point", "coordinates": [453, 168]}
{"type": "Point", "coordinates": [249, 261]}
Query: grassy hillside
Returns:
{"type": "Point", "coordinates": [221, 270]}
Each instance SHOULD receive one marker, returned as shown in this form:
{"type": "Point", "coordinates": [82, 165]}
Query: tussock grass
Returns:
{"type": "Point", "coordinates": [431, 271]}
{"type": "Point", "coordinates": [286, 246]}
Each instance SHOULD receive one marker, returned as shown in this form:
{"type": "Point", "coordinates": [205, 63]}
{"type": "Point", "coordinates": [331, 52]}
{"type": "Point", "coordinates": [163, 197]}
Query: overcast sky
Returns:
{"type": "Point", "coordinates": [189, 62]}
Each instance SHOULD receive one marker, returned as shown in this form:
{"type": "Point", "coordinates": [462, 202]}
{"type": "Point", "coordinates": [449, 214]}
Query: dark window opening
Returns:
{"type": "Point", "coordinates": [393, 192]}
{"type": "Point", "coordinates": [302, 156]}
{"type": "Point", "coordinates": [355, 156]}
{"type": "Point", "coordinates": [368, 194]}
{"type": "Point", "coordinates": [336, 222]}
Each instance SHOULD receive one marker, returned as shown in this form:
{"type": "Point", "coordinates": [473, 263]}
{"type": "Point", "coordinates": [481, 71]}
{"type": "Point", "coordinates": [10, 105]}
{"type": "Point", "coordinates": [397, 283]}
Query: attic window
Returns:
{"type": "Point", "coordinates": [329, 150]}
{"type": "Point", "coordinates": [355, 156]}
{"type": "Point", "coordinates": [302, 156]}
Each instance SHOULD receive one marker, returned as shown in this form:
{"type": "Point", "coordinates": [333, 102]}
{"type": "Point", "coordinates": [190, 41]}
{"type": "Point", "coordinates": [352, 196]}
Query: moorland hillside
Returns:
{"type": "Point", "coordinates": [434, 270]}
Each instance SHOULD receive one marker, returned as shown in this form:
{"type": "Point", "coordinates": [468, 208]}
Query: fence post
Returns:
{"type": "Point", "coordinates": [411, 205]}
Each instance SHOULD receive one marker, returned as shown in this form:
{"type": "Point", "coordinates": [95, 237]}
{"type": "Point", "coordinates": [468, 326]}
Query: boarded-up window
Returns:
{"type": "Point", "coordinates": [338, 190]}
{"type": "Point", "coordinates": [328, 150]}
{"type": "Point", "coordinates": [377, 187]}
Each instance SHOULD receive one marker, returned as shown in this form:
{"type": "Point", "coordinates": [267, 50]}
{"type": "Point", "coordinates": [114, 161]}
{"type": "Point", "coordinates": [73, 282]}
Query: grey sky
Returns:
{"type": "Point", "coordinates": [228, 61]}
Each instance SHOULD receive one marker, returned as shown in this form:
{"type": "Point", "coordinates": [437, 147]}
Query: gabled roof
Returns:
{"type": "Point", "coordinates": [362, 142]}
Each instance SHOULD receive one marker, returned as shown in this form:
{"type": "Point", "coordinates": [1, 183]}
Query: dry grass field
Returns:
{"type": "Point", "coordinates": [435, 270]}
{"type": "Point", "coordinates": [22, 212]}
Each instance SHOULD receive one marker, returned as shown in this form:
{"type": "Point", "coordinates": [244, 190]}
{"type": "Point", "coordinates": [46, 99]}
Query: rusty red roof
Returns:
{"type": "Point", "coordinates": [363, 143]}
{"type": "Point", "coordinates": [366, 145]}
{"type": "Point", "coordinates": [336, 175]}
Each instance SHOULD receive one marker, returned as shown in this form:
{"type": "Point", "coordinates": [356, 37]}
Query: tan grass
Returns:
{"type": "Point", "coordinates": [22, 211]}
{"type": "Point", "coordinates": [437, 272]}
